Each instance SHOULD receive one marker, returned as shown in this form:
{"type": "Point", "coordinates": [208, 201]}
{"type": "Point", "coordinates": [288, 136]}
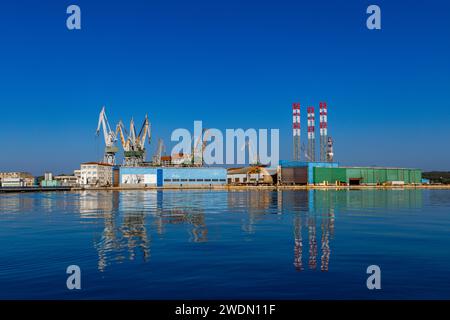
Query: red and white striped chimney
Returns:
{"type": "Point", "coordinates": [323, 130]}
{"type": "Point", "coordinates": [296, 130]}
{"type": "Point", "coordinates": [311, 134]}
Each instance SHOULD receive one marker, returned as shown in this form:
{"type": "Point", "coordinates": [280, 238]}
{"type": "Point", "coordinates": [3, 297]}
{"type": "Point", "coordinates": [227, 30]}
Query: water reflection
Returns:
{"type": "Point", "coordinates": [127, 223]}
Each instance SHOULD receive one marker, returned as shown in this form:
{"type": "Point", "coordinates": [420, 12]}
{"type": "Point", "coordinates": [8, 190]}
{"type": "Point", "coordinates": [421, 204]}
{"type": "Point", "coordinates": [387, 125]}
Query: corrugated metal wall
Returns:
{"type": "Point", "coordinates": [194, 176]}
{"type": "Point", "coordinates": [139, 176]}
{"type": "Point", "coordinates": [309, 165]}
{"type": "Point", "coordinates": [294, 175]}
{"type": "Point", "coordinates": [366, 175]}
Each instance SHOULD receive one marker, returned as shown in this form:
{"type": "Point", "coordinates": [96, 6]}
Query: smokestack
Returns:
{"type": "Point", "coordinates": [296, 130]}
{"type": "Point", "coordinates": [323, 131]}
{"type": "Point", "coordinates": [311, 135]}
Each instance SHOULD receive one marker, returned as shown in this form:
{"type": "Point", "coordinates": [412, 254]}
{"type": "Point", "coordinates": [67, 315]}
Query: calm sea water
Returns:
{"type": "Point", "coordinates": [218, 244]}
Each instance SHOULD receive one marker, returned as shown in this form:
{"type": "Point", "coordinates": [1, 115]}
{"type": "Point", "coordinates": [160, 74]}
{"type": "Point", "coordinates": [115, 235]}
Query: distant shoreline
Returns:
{"type": "Point", "coordinates": [224, 188]}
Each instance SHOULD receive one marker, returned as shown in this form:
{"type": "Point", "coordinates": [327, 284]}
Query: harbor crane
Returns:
{"type": "Point", "coordinates": [110, 138]}
{"type": "Point", "coordinates": [159, 152]}
{"type": "Point", "coordinates": [134, 144]}
{"type": "Point", "coordinates": [199, 148]}
{"type": "Point", "coordinates": [252, 154]}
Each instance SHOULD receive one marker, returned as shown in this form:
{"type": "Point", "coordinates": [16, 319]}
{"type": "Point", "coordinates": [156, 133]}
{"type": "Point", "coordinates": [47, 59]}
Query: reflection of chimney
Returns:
{"type": "Point", "coordinates": [311, 135]}
{"type": "Point", "coordinates": [323, 130]}
{"type": "Point", "coordinates": [325, 259]}
{"type": "Point", "coordinates": [296, 130]}
{"type": "Point", "coordinates": [312, 243]}
{"type": "Point", "coordinates": [298, 244]}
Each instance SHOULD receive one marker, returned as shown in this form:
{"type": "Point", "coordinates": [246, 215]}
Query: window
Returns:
{"type": "Point", "coordinates": [191, 180]}
{"type": "Point", "coordinates": [215, 180]}
{"type": "Point", "coordinates": [199, 180]}
{"type": "Point", "coordinates": [175, 180]}
{"type": "Point", "coordinates": [167, 180]}
{"type": "Point", "coordinates": [208, 180]}
{"type": "Point", "coordinates": [184, 180]}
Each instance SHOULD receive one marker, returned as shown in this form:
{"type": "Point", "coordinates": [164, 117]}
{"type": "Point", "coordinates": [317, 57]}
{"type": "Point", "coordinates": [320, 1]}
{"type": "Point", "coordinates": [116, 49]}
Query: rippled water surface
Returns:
{"type": "Point", "coordinates": [218, 244]}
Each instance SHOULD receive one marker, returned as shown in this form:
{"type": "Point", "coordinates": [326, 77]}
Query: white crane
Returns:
{"type": "Point", "coordinates": [252, 154]}
{"type": "Point", "coordinates": [109, 136]}
{"type": "Point", "coordinates": [134, 145]}
{"type": "Point", "coordinates": [159, 152]}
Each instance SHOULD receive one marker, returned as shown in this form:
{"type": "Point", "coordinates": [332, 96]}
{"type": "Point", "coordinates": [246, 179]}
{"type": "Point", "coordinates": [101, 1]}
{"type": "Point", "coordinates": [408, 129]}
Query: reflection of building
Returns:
{"type": "Point", "coordinates": [124, 234]}
{"type": "Point", "coordinates": [171, 215]}
{"type": "Point", "coordinates": [253, 203]}
{"type": "Point", "coordinates": [96, 174]}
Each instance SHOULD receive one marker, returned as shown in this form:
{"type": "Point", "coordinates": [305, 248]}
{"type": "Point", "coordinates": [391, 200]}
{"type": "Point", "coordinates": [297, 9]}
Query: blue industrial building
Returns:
{"type": "Point", "coordinates": [301, 172]}
{"type": "Point", "coordinates": [171, 176]}
{"type": "Point", "coordinates": [194, 176]}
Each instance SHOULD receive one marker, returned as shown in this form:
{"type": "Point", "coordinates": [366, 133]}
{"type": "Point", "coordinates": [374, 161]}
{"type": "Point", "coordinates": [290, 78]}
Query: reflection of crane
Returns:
{"type": "Point", "coordinates": [159, 151]}
{"type": "Point", "coordinates": [109, 136]}
{"type": "Point", "coordinates": [134, 145]}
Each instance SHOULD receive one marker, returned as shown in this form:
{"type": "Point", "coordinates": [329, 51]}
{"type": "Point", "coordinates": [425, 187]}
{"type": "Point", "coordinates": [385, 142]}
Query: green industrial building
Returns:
{"type": "Point", "coordinates": [366, 176]}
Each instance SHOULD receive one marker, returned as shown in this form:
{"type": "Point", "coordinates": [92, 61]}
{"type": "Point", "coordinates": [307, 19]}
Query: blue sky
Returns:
{"type": "Point", "coordinates": [231, 64]}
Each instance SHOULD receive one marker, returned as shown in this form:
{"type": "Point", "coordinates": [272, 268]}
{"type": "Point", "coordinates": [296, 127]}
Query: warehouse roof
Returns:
{"type": "Point", "coordinates": [373, 167]}
{"type": "Point", "coordinates": [99, 163]}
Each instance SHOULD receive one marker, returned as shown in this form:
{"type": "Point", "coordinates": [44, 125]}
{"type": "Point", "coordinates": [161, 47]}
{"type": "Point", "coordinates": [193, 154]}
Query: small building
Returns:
{"type": "Point", "coordinates": [12, 182]}
{"type": "Point", "coordinates": [66, 181]}
{"type": "Point", "coordinates": [17, 179]}
{"type": "Point", "coordinates": [250, 175]}
{"type": "Point", "coordinates": [96, 174]}
{"type": "Point", "coordinates": [48, 181]}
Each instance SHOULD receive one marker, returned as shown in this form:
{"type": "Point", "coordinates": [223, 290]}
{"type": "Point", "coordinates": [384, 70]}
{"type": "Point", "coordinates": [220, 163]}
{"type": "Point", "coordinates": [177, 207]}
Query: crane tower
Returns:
{"type": "Point", "coordinates": [134, 144]}
{"type": "Point", "coordinates": [110, 138]}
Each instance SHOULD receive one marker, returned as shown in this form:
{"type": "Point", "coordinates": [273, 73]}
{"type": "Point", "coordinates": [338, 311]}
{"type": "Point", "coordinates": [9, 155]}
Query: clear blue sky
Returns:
{"type": "Point", "coordinates": [232, 64]}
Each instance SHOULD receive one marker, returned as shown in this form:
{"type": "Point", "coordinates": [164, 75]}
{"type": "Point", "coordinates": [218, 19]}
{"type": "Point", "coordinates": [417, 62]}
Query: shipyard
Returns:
{"type": "Point", "coordinates": [201, 159]}
{"type": "Point", "coordinates": [184, 170]}
{"type": "Point", "coordinates": [308, 168]}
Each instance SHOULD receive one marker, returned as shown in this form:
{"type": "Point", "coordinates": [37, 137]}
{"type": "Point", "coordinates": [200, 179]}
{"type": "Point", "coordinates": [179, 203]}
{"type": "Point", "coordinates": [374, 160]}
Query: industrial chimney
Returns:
{"type": "Point", "coordinates": [311, 152]}
{"type": "Point", "coordinates": [330, 152]}
{"type": "Point", "coordinates": [323, 131]}
{"type": "Point", "coordinates": [296, 130]}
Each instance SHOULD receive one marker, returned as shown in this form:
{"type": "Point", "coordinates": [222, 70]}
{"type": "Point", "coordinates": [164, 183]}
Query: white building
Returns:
{"type": "Point", "coordinates": [96, 174]}
{"type": "Point", "coordinates": [67, 181]}
{"type": "Point", "coordinates": [12, 182]}
{"type": "Point", "coordinates": [250, 175]}
{"type": "Point", "coordinates": [16, 179]}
